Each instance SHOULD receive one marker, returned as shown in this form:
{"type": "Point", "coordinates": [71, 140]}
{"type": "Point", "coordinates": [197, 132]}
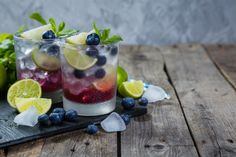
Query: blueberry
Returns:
{"type": "Point", "coordinates": [92, 129]}
{"type": "Point", "coordinates": [55, 118]}
{"type": "Point", "coordinates": [128, 103]}
{"type": "Point", "coordinates": [100, 73]}
{"type": "Point", "coordinates": [101, 60]}
{"type": "Point", "coordinates": [92, 51]}
{"type": "Point", "coordinates": [71, 115]}
{"type": "Point", "coordinates": [126, 118]}
{"type": "Point", "coordinates": [114, 50]}
{"type": "Point", "coordinates": [53, 50]}
{"type": "Point", "coordinates": [79, 74]}
{"type": "Point", "coordinates": [49, 35]}
{"type": "Point", "coordinates": [44, 120]}
{"type": "Point", "coordinates": [61, 112]}
{"type": "Point", "coordinates": [92, 39]}
{"type": "Point", "coordinates": [143, 101]}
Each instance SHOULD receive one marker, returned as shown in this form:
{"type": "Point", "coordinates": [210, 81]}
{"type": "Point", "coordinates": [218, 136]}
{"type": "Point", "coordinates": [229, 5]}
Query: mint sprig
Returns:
{"type": "Point", "coordinates": [104, 35]}
{"type": "Point", "coordinates": [38, 17]}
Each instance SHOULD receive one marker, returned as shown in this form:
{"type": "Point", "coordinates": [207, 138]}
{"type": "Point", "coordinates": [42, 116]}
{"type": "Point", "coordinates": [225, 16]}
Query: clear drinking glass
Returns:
{"type": "Point", "coordinates": [89, 78]}
{"type": "Point", "coordinates": [40, 61]}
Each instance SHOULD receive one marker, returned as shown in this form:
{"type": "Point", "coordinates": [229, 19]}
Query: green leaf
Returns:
{"type": "Point", "coordinates": [67, 32]}
{"type": "Point", "coordinates": [61, 26]}
{"type": "Point", "coordinates": [97, 31]}
{"type": "Point", "coordinates": [105, 34]}
{"type": "Point", "coordinates": [53, 25]}
{"type": "Point", "coordinates": [112, 39]}
{"type": "Point", "coordinates": [38, 17]}
{"type": "Point", "coordinates": [5, 36]}
{"type": "Point", "coordinates": [21, 29]}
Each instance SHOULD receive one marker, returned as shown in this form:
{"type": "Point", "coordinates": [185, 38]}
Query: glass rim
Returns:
{"type": "Point", "coordinates": [17, 36]}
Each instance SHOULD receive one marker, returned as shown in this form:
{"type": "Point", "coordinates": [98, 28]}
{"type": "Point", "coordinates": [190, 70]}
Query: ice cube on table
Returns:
{"type": "Point", "coordinates": [113, 123]}
{"type": "Point", "coordinates": [27, 118]}
{"type": "Point", "coordinates": [155, 93]}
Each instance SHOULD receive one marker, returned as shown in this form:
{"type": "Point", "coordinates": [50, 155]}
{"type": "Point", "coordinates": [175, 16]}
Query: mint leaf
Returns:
{"type": "Point", "coordinates": [53, 25]}
{"type": "Point", "coordinates": [61, 26]}
{"type": "Point", "coordinates": [5, 36]}
{"type": "Point", "coordinates": [67, 32]}
{"type": "Point", "coordinates": [38, 17]}
{"type": "Point", "coordinates": [97, 31]}
{"type": "Point", "coordinates": [112, 39]}
{"type": "Point", "coordinates": [105, 34]}
{"type": "Point", "coordinates": [21, 29]}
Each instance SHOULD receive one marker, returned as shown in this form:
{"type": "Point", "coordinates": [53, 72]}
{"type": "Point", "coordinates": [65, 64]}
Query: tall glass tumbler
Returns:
{"type": "Point", "coordinates": [89, 75]}
{"type": "Point", "coordinates": [40, 60]}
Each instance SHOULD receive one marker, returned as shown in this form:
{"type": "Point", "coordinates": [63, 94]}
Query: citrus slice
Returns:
{"type": "Point", "coordinates": [36, 33]}
{"type": "Point", "coordinates": [77, 59]}
{"type": "Point", "coordinates": [108, 81]}
{"type": "Point", "coordinates": [79, 39]}
{"type": "Point", "coordinates": [131, 89]}
{"type": "Point", "coordinates": [45, 61]}
{"type": "Point", "coordinates": [27, 88]}
{"type": "Point", "coordinates": [122, 76]}
{"type": "Point", "coordinates": [41, 104]}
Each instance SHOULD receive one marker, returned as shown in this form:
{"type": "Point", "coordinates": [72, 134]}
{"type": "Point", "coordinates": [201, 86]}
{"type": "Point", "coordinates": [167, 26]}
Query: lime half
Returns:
{"type": "Point", "coordinates": [122, 76]}
{"type": "Point", "coordinates": [41, 104]}
{"type": "Point", "coordinates": [132, 89]}
{"type": "Point", "coordinates": [27, 88]}
{"type": "Point", "coordinates": [36, 33]}
{"type": "Point", "coordinates": [77, 59]}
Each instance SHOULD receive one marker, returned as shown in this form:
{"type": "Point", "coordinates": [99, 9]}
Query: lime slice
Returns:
{"type": "Point", "coordinates": [132, 89]}
{"type": "Point", "coordinates": [77, 59]}
{"type": "Point", "coordinates": [79, 39]}
{"type": "Point", "coordinates": [108, 81]}
{"type": "Point", "coordinates": [3, 77]}
{"type": "Point", "coordinates": [44, 61]}
{"type": "Point", "coordinates": [36, 33]}
{"type": "Point", "coordinates": [122, 76]}
{"type": "Point", "coordinates": [41, 104]}
{"type": "Point", "coordinates": [27, 88]}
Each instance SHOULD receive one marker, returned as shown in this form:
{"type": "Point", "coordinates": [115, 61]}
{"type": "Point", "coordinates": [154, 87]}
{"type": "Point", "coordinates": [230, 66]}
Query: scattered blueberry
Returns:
{"type": "Point", "coordinates": [44, 120]}
{"type": "Point", "coordinates": [92, 51]}
{"type": "Point", "coordinates": [61, 112]}
{"type": "Point", "coordinates": [101, 60]}
{"type": "Point", "coordinates": [100, 73]}
{"type": "Point", "coordinates": [128, 103]}
{"type": "Point", "coordinates": [92, 39]}
{"type": "Point", "coordinates": [49, 35]}
{"type": "Point", "coordinates": [92, 129]}
{"type": "Point", "coordinates": [53, 50]}
{"type": "Point", "coordinates": [126, 118]}
{"type": "Point", "coordinates": [71, 115]}
{"type": "Point", "coordinates": [114, 50]}
{"type": "Point", "coordinates": [79, 74]}
{"type": "Point", "coordinates": [55, 118]}
{"type": "Point", "coordinates": [143, 101]}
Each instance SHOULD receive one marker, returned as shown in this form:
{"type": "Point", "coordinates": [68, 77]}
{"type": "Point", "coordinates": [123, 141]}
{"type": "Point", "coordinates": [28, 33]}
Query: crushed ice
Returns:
{"type": "Point", "coordinates": [155, 93]}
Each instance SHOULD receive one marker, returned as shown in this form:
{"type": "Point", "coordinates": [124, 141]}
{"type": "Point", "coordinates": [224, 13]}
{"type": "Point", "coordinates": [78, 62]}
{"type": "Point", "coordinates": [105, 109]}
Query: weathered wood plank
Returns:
{"type": "Point", "coordinates": [2, 153]}
{"type": "Point", "coordinates": [163, 131]}
{"type": "Point", "coordinates": [224, 56]}
{"type": "Point", "coordinates": [208, 101]}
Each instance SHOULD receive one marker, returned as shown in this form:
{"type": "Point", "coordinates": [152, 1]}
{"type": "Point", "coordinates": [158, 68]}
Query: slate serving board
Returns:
{"type": "Point", "coordinates": [11, 134]}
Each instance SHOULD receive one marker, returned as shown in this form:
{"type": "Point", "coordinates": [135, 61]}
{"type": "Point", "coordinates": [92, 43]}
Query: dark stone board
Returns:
{"type": "Point", "coordinates": [11, 134]}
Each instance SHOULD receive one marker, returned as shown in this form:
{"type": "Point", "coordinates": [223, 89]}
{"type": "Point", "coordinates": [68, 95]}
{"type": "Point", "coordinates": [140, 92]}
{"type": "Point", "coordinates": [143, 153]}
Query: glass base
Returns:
{"type": "Point", "coordinates": [55, 96]}
{"type": "Point", "coordinates": [95, 109]}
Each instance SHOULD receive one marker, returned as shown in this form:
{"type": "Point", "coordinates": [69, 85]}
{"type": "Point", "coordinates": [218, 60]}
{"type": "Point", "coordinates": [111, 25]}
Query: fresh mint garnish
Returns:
{"type": "Point", "coordinates": [53, 25]}
{"type": "Point", "coordinates": [61, 26]}
{"type": "Point", "coordinates": [38, 17]}
{"type": "Point", "coordinates": [21, 29]}
{"type": "Point", "coordinates": [104, 35]}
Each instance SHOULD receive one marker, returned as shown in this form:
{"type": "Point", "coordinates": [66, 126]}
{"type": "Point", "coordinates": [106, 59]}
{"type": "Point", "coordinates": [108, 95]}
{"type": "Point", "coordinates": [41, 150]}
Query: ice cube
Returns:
{"type": "Point", "coordinates": [27, 118]}
{"type": "Point", "coordinates": [113, 123]}
{"type": "Point", "coordinates": [26, 75]}
{"type": "Point", "coordinates": [41, 74]}
{"type": "Point", "coordinates": [155, 93]}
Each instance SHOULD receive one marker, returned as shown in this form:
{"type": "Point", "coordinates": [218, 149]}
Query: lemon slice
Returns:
{"type": "Point", "coordinates": [79, 39]}
{"type": "Point", "coordinates": [77, 59]}
{"type": "Point", "coordinates": [27, 88]}
{"type": "Point", "coordinates": [36, 33]}
{"type": "Point", "coordinates": [41, 104]}
{"type": "Point", "coordinates": [131, 89]}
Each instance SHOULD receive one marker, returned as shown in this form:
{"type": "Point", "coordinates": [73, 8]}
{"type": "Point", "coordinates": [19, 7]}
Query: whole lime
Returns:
{"type": "Point", "coordinates": [122, 76]}
{"type": "Point", "coordinates": [3, 76]}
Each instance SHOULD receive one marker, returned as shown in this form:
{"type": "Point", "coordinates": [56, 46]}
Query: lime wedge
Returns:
{"type": "Point", "coordinates": [27, 88]}
{"type": "Point", "coordinates": [44, 61]}
{"type": "Point", "coordinates": [131, 89]}
{"type": "Point", "coordinates": [79, 39]}
{"type": "Point", "coordinates": [122, 76]}
{"type": "Point", "coordinates": [41, 104]}
{"type": "Point", "coordinates": [77, 59]}
{"type": "Point", "coordinates": [3, 77]}
{"type": "Point", "coordinates": [36, 33]}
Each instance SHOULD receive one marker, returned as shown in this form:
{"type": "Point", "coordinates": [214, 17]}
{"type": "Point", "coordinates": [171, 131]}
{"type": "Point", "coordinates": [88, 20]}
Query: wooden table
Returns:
{"type": "Point", "coordinates": [198, 120]}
